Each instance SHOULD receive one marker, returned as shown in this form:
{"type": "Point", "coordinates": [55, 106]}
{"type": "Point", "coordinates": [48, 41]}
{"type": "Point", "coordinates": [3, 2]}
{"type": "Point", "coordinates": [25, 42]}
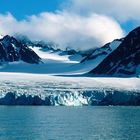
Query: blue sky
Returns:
{"type": "Point", "coordinates": [76, 23]}
{"type": "Point", "coordinates": [129, 25]}
{"type": "Point", "coordinates": [22, 8]}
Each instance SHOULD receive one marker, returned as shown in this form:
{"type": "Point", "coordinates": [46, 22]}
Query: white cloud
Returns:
{"type": "Point", "coordinates": [122, 10]}
{"type": "Point", "coordinates": [80, 32]}
{"type": "Point", "coordinates": [81, 24]}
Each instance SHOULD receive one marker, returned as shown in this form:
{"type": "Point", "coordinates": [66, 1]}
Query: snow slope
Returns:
{"type": "Point", "coordinates": [54, 63]}
{"type": "Point", "coordinates": [100, 54]}
{"type": "Point", "coordinates": [117, 58]}
{"type": "Point", "coordinates": [42, 58]}
{"type": "Point", "coordinates": [59, 62]}
{"type": "Point", "coordinates": [55, 56]}
{"type": "Point", "coordinates": [124, 61]}
{"type": "Point", "coordinates": [36, 89]}
{"type": "Point", "coordinates": [103, 51]}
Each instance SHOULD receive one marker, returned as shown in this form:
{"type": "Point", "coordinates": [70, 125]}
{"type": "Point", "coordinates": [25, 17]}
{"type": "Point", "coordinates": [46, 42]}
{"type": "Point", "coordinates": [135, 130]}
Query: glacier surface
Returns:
{"type": "Point", "coordinates": [42, 89]}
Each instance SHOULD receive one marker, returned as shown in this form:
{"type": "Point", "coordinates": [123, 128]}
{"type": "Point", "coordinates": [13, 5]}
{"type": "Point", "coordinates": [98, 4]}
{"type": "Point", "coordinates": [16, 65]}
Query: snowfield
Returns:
{"type": "Point", "coordinates": [53, 63]}
{"type": "Point", "coordinates": [57, 63]}
{"type": "Point", "coordinates": [42, 89]}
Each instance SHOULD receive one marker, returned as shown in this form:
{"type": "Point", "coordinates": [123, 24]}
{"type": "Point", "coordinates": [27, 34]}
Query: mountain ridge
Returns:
{"type": "Point", "coordinates": [125, 60]}
{"type": "Point", "coordinates": [119, 58]}
{"type": "Point", "coordinates": [12, 50]}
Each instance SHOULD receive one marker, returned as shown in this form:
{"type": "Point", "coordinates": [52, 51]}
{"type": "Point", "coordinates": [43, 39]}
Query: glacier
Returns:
{"type": "Point", "coordinates": [72, 98]}
{"type": "Point", "coordinates": [61, 79]}
{"type": "Point", "coordinates": [42, 89]}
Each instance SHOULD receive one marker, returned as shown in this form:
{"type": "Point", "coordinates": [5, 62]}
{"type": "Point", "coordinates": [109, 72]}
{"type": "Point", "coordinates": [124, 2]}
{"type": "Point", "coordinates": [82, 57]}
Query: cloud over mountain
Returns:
{"type": "Point", "coordinates": [80, 32]}
{"type": "Point", "coordinates": [79, 24]}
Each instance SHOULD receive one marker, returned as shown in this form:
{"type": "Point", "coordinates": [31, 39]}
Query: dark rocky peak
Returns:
{"type": "Point", "coordinates": [125, 59]}
{"type": "Point", "coordinates": [13, 50]}
{"type": "Point", "coordinates": [102, 51]}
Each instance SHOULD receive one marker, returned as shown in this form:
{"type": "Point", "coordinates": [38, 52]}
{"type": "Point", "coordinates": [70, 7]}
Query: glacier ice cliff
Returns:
{"type": "Point", "coordinates": [42, 89]}
{"type": "Point", "coordinates": [72, 98]}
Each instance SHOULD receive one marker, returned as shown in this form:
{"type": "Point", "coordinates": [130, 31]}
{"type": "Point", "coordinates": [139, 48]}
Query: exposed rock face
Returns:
{"type": "Point", "coordinates": [125, 60]}
{"type": "Point", "coordinates": [103, 51]}
{"type": "Point", "coordinates": [12, 50]}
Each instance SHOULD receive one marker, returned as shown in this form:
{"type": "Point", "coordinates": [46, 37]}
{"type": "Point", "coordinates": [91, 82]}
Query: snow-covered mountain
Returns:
{"type": "Point", "coordinates": [101, 53]}
{"type": "Point", "coordinates": [12, 50]}
{"type": "Point", "coordinates": [98, 55]}
{"type": "Point", "coordinates": [118, 58]}
{"type": "Point", "coordinates": [19, 54]}
{"type": "Point", "coordinates": [125, 60]}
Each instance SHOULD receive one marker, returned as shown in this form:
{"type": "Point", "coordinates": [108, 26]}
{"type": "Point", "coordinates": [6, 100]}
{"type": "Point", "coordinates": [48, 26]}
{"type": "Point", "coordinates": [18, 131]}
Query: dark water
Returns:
{"type": "Point", "coordinates": [69, 123]}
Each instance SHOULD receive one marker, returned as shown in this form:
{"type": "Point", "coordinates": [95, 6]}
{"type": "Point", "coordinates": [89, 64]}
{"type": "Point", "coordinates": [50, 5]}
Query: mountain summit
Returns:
{"type": "Point", "coordinates": [12, 50]}
{"type": "Point", "coordinates": [125, 60]}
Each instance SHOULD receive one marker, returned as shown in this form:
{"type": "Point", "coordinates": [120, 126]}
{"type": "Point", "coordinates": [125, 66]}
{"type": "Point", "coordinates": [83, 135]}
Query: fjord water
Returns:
{"type": "Point", "coordinates": [69, 123]}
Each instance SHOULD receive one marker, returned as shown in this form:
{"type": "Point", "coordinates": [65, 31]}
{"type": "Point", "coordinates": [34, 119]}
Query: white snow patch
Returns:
{"type": "Point", "coordinates": [49, 55]}
{"type": "Point", "coordinates": [1, 36]}
{"type": "Point", "coordinates": [93, 63]}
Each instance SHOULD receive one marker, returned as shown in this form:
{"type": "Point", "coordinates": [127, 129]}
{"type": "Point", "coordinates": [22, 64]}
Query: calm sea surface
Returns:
{"type": "Point", "coordinates": [69, 123]}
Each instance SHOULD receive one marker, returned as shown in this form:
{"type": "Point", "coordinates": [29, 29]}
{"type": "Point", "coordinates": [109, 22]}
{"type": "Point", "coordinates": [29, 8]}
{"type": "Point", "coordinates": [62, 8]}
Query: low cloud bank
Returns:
{"type": "Point", "coordinates": [66, 29]}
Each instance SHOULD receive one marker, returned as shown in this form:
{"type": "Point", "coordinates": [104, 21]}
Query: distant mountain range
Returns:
{"type": "Point", "coordinates": [119, 58]}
